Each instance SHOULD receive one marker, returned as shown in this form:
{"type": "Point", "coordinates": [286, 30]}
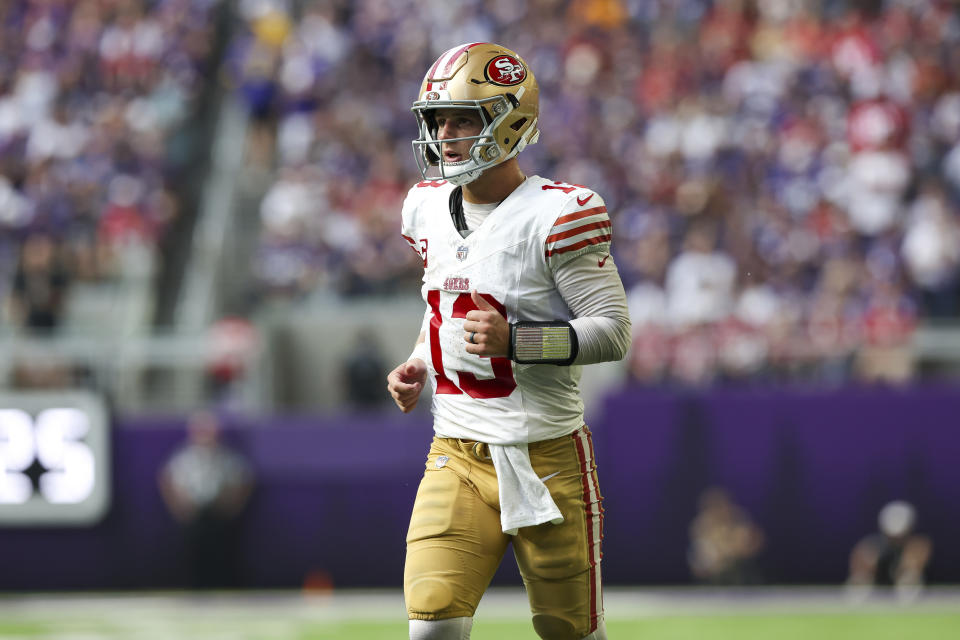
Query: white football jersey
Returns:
{"type": "Point", "coordinates": [510, 260]}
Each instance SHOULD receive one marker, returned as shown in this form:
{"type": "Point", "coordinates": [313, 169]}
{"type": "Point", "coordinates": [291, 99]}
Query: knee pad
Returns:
{"type": "Point", "coordinates": [552, 628]}
{"type": "Point", "coordinates": [449, 629]}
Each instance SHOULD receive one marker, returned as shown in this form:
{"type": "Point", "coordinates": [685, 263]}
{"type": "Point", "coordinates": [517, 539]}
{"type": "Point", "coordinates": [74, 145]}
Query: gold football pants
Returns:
{"type": "Point", "coordinates": [455, 543]}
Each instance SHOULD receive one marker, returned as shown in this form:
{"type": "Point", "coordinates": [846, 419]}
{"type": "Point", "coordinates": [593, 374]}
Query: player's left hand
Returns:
{"type": "Point", "coordinates": [492, 331]}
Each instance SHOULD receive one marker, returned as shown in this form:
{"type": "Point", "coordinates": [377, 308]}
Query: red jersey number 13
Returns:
{"type": "Point", "coordinates": [499, 386]}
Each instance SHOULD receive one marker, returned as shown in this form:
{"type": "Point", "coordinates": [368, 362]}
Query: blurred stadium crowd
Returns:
{"type": "Point", "coordinates": [92, 96]}
{"type": "Point", "coordinates": [783, 176]}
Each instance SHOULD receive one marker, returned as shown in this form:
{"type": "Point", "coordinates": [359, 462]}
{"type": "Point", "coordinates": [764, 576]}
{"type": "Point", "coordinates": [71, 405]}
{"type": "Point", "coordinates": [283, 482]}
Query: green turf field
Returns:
{"type": "Point", "coordinates": [794, 627]}
{"type": "Point", "coordinates": [727, 627]}
{"type": "Point", "coordinates": [632, 614]}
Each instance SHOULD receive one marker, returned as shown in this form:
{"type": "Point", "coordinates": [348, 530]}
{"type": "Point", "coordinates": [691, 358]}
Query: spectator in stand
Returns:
{"type": "Point", "coordinates": [889, 320]}
{"type": "Point", "coordinates": [647, 303]}
{"type": "Point", "coordinates": [39, 285]}
{"type": "Point", "coordinates": [700, 280]}
{"type": "Point", "coordinates": [700, 293]}
{"type": "Point", "coordinates": [832, 321]}
{"type": "Point", "coordinates": [36, 306]}
{"type": "Point", "coordinates": [232, 346]}
{"type": "Point", "coordinates": [931, 251]}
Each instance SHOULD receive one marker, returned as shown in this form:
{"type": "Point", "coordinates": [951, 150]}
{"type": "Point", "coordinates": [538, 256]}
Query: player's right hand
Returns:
{"type": "Point", "coordinates": [406, 382]}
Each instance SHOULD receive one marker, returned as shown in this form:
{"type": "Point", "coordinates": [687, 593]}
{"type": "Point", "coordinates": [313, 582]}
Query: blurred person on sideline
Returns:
{"type": "Point", "coordinates": [521, 291]}
{"type": "Point", "coordinates": [206, 486]}
{"type": "Point", "coordinates": [893, 556]}
{"type": "Point", "coordinates": [724, 542]}
{"type": "Point", "coordinates": [363, 369]}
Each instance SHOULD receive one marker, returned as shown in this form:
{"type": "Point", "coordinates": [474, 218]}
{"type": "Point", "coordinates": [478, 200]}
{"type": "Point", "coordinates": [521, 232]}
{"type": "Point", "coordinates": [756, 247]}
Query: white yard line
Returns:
{"type": "Point", "coordinates": [270, 612]}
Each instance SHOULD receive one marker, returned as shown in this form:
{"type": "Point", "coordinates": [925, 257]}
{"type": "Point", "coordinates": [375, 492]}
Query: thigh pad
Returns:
{"type": "Point", "coordinates": [454, 545]}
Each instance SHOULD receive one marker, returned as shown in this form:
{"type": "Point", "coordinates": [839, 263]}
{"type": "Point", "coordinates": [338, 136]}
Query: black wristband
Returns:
{"type": "Point", "coordinates": [552, 342]}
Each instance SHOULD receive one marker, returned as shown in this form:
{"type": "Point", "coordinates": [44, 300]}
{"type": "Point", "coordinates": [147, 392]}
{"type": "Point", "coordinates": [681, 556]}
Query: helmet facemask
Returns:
{"type": "Point", "coordinates": [485, 151]}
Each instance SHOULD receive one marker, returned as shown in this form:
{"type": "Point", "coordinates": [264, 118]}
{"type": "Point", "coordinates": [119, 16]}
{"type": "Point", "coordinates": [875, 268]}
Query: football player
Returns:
{"type": "Point", "coordinates": [520, 292]}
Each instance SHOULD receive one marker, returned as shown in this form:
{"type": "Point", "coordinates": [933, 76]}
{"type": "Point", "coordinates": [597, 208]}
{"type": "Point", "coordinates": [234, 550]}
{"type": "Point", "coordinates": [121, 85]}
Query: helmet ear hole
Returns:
{"type": "Point", "coordinates": [519, 123]}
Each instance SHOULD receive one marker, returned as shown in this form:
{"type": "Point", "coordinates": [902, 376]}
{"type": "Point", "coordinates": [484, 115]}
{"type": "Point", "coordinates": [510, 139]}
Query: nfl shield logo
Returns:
{"type": "Point", "coordinates": [462, 251]}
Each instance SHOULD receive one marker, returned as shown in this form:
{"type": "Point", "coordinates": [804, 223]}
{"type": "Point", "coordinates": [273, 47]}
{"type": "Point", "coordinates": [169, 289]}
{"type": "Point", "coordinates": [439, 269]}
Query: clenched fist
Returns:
{"type": "Point", "coordinates": [406, 382]}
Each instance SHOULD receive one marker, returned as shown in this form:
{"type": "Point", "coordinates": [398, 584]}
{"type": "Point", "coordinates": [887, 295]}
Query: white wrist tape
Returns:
{"type": "Point", "coordinates": [421, 351]}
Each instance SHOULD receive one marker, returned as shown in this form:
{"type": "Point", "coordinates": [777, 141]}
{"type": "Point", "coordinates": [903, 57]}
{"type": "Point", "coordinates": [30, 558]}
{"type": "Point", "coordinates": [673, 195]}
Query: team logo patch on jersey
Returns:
{"type": "Point", "coordinates": [462, 252]}
{"type": "Point", "coordinates": [456, 283]}
{"type": "Point", "coordinates": [505, 70]}
{"type": "Point", "coordinates": [442, 462]}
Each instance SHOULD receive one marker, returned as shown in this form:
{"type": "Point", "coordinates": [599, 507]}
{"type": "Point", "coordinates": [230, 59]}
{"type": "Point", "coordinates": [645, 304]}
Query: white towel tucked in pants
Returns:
{"type": "Point", "coordinates": [524, 498]}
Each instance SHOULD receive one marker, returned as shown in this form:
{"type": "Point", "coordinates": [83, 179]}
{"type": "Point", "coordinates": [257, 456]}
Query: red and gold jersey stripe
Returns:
{"type": "Point", "coordinates": [579, 229]}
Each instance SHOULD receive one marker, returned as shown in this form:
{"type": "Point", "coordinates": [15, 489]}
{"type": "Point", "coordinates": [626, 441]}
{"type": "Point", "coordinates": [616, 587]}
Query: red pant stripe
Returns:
{"type": "Point", "coordinates": [594, 520]}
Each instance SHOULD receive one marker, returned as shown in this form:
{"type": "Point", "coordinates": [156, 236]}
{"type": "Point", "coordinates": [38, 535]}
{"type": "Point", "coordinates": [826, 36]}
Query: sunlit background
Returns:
{"type": "Point", "coordinates": [199, 242]}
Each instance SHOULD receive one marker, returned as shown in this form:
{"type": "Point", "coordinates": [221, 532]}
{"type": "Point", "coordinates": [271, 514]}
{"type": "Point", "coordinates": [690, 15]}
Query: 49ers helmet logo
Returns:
{"type": "Point", "coordinates": [505, 70]}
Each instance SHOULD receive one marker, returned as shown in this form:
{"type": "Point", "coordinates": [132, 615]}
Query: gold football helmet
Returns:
{"type": "Point", "coordinates": [500, 86]}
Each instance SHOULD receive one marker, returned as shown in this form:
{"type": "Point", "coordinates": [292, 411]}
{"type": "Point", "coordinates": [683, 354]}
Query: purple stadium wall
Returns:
{"type": "Point", "coordinates": [334, 494]}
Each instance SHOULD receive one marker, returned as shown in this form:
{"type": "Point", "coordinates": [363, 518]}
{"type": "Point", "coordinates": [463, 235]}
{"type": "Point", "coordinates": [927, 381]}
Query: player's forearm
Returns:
{"type": "Point", "coordinates": [601, 338]}
{"type": "Point", "coordinates": [596, 297]}
{"type": "Point", "coordinates": [420, 349]}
